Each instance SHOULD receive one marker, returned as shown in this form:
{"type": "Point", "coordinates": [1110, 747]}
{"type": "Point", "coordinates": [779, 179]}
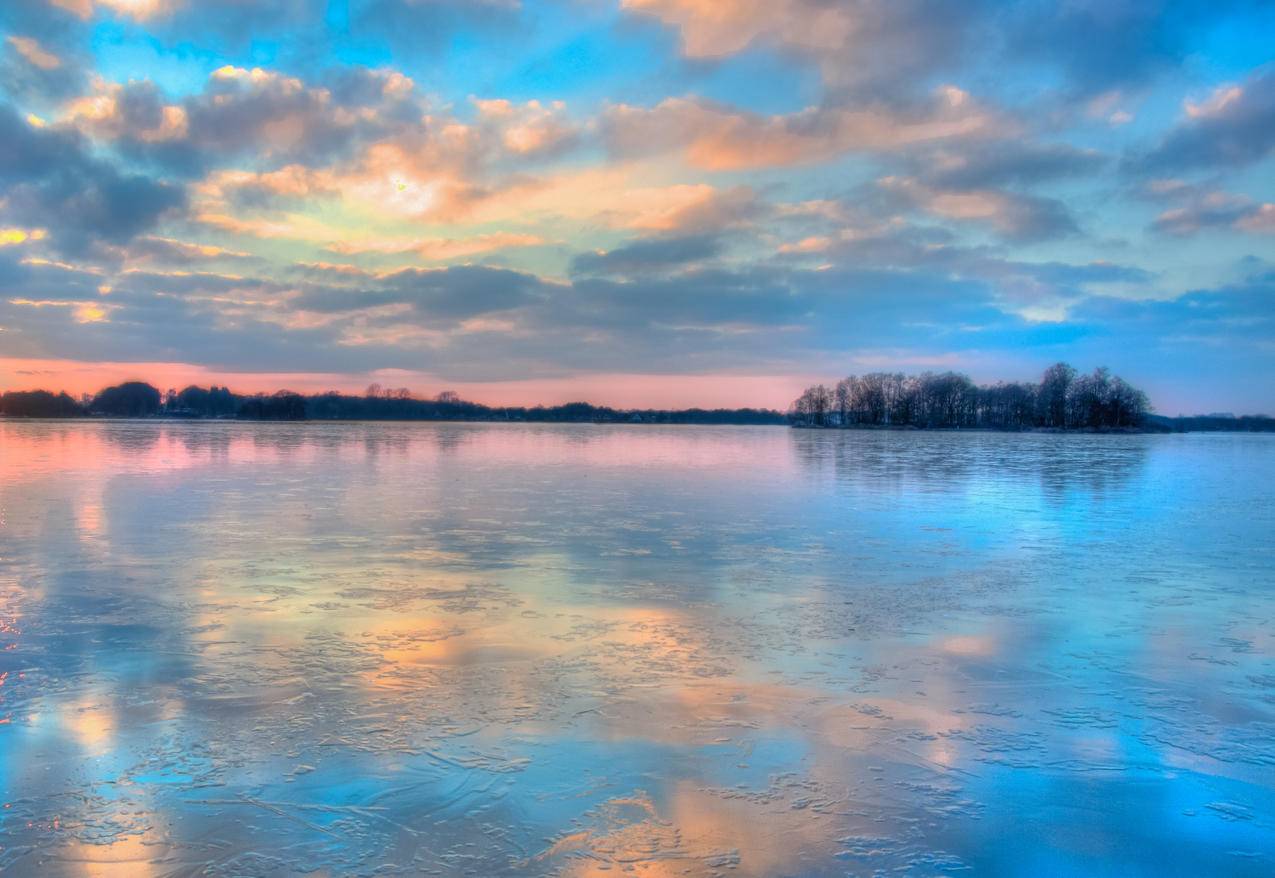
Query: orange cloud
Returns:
{"type": "Point", "coordinates": [139, 9]}
{"type": "Point", "coordinates": [296, 181]}
{"type": "Point", "coordinates": [527, 129]}
{"type": "Point", "coordinates": [439, 248]}
{"type": "Point", "coordinates": [618, 196]}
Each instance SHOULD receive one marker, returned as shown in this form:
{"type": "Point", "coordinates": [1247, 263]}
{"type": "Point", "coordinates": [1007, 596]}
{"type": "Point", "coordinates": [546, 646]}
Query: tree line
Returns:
{"type": "Point", "coordinates": [136, 399]}
{"type": "Point", "coordinates": [1062, 399]}
{"type": "Point", "coordinates": [1226, 423]}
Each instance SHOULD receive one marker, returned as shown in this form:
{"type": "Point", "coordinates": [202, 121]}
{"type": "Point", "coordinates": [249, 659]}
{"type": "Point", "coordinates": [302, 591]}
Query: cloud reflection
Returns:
{"type": "Point", "coordinates": [562, 650]}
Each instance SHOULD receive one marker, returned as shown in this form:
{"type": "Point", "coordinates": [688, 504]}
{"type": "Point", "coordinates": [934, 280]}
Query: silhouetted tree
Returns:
{"type": "Point", "coordinates": [843, 399]}
{"type": "Point", "coordinates": [39, 404]}
{"type": "Point", "coordinates": [281, 406]}
{"type": "Point", "coordinates": [1127, 405]}
{"type": "Point", "coordinates": [1051, 401]}
{"type": "Point", "coordinates": [132, 399]}
{"type": "Point", "coordinates": [213, 402]}
{"type": "Point", "coordinates": [814, 405]}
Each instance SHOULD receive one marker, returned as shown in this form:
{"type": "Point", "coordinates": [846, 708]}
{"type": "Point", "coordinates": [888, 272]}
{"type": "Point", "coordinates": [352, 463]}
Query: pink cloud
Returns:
{"type": "Point", "coordinates": [34, 53]}
{"type": "Point", "coordinates": [719, 138]}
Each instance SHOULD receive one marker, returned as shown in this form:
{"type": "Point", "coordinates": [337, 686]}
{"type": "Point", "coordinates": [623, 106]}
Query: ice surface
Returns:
{"type": "Point", "coordinates": [406, 649]}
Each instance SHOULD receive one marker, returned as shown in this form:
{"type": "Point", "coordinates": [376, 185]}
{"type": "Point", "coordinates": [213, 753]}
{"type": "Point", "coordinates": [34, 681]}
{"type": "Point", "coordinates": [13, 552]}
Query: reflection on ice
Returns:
{"type": "Point", "coordinates": [236, 649]}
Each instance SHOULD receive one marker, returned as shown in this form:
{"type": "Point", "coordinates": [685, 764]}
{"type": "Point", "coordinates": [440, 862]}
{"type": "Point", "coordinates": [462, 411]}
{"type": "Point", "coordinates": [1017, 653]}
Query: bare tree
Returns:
{"type": "Point", "coordinates": [1052, 399]}
{"type": "Point", "coordinates": [821, 404]}
{"type": "Point", "coordinates": [843, 397]}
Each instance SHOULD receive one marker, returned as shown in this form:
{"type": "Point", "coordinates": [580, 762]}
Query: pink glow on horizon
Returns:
{"type": "Point", "coordinates": [618, 390]}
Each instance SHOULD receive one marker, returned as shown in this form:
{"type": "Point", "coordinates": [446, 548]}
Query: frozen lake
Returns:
{"type": "Point", "coordinates": [383, 649]}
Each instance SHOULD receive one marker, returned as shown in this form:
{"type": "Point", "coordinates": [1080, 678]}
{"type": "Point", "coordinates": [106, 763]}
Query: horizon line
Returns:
{"type": "Point", "coordinates": [414, 396]}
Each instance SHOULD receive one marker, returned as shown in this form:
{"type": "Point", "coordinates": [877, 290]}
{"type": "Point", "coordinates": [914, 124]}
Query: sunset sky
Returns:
{"type": "Point", "coordinates": [649, 202]}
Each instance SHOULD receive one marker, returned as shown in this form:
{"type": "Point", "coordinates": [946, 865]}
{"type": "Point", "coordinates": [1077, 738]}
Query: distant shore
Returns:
{"type": "Point", "coordinates": [1062, 402]}
{"type": "Point", "coordinates": [1156, 424]}
{"type": "Point", "coordinates": [136, 400]}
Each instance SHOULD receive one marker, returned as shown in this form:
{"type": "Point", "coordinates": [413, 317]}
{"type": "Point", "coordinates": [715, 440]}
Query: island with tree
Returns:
{"type": "Point", "coordinates": [1062, 400]}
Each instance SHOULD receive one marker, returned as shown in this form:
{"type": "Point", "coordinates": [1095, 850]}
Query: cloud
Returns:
{"type": "Point", "coordinates": [1098, 45]}
{"type": "Point", "coordinates": [140, 10]}
{"type": "Point", "coordinates": [712, 29]}
{"type": "Point", "coordinates": [1230, 318]}
{"type": "Point", "coordinates": [1017, 162]}
{"type": "Point", "coordinates": [416, 25]}
{"type": "Point", "coordinates": [686, 208]}
{"type": "Point", "coordinates": [33, 53]}
{"type": "Point", "coordinates": [49, 178]}
{"type": "Point", "coordinates": [438, 248]}
{"type": "Point", "coordinates": [263, 116]}
{"type": "Point", "coordinates": [23, 276]}
{"type": "Point", "coordinates": [153, 249]}
{"type": "Point", "coordinates": [36, 73]}
{"type": "Point", "coordinates": [716, 137]}
{"type": "Point", "coordinates": [1197, 208]}
{"type": "Point", "coordinates": [432, 185]}
{"type": "Point", "coordinates": [1234, 126]}
{"type": "Point", "coordinates": [481, 323]}
{"type": "Point", "coordinates": [863, 46]}
{"type": "Point", "coordinates": [652, 255]}
{"type": "Point", "coordinates": [616, 196]}
{"type": "Point", "coordinates": [1015, 216]}
{"type": "Point", "coordinates": [531, 129]}
{"type": "Point", "coordinates": [988, 183]}
{"type": "Point", "coordinates": [1037, 291]}
{"type": "Point", "coordinates": [867, 49]}
{"type": "Point", "coordinates": [226, 26]}
{"type": "Point", "coordinates": [263, 142]}
{"type": "Point", "coordinates": [446, 295]}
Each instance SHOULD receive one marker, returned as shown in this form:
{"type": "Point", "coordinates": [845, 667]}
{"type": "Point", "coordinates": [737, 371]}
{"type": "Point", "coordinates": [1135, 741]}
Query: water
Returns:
{"type": "Point", "coordinates": [381, 649]}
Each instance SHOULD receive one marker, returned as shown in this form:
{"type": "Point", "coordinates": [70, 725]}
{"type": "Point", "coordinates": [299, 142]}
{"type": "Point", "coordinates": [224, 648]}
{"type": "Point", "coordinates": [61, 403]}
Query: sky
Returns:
{"type": "Point", "coordinates": [639, 203]}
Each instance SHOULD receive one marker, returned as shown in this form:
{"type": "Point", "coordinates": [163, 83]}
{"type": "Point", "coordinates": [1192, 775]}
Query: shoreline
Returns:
{"type": "Point", "coordinates": [887, 428]}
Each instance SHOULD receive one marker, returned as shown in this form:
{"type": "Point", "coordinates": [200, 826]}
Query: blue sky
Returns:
{"type": "Point", "coordinates": [644, 202]}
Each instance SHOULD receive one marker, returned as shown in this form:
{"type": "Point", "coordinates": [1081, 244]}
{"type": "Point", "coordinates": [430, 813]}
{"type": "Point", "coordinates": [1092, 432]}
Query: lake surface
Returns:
{"type": "Point", "coordinates": [383, 649]}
